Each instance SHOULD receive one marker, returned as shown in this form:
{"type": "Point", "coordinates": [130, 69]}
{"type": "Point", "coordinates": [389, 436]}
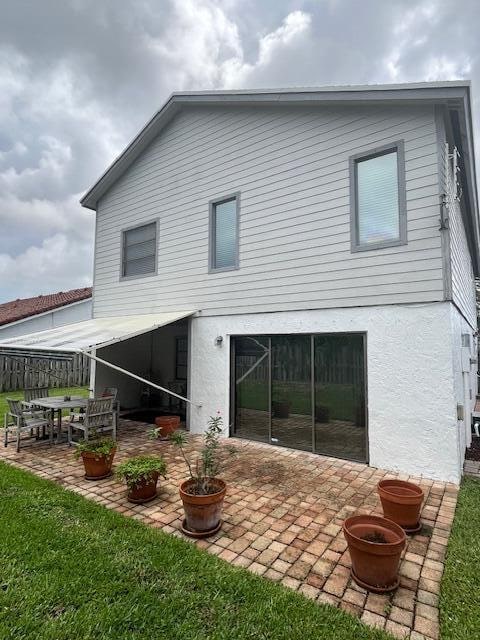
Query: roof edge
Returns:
{"type": "Point", "coordinates": [433, 91]}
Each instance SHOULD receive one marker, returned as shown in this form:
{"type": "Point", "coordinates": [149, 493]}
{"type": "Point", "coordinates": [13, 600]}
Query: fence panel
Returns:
{"type": "Point", "coordinates": [18, 372]}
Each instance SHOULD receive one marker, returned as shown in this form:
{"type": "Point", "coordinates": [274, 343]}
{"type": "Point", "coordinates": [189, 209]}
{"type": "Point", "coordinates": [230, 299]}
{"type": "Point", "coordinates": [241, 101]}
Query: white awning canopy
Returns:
{"type": "Point", "coordinates": [90, 334]}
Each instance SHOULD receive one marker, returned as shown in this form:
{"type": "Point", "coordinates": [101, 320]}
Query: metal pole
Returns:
{"type": "Point", "coordinates": [133, 375]}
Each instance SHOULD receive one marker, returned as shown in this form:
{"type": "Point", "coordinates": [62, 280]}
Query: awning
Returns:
{"type": "Point", "coordinates": [89, 334]}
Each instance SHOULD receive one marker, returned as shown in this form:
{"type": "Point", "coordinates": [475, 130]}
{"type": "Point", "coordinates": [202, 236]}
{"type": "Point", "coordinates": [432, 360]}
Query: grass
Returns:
{"type": "Point", "coordinates": [61, 391]}
{"type": "Point", "coordinates": [460, 592]}
{"type": "Point", "coordinates": [340, 398]}
{"type": "Point", "coordinates": [73, 569]}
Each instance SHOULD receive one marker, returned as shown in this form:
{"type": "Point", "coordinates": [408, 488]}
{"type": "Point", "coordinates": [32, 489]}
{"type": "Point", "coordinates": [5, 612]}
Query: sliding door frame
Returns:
{"type": "Point", "coordinates": [363, 334]}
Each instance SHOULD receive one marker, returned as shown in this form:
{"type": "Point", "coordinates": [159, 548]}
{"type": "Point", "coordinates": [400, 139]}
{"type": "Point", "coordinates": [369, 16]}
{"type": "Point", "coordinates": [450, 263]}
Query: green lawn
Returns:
{"type": "Point", "coordinates": [460, 594]}
{"type": "Point", "coordinates": [18, 395]}
{"type": "Point", "coordinates": [71, 569]}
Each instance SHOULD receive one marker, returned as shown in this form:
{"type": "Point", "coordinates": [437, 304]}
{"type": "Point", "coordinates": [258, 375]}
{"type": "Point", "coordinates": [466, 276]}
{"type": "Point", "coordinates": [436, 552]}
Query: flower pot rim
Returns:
{"type": "Point", "coordinates": [96, 454]}
{"type": "Point", "coordinates": [202, 498]}
{"type": "Point", "coordinates": [384, 485]}
{"type": "Point", "coordinates": [380, 522]}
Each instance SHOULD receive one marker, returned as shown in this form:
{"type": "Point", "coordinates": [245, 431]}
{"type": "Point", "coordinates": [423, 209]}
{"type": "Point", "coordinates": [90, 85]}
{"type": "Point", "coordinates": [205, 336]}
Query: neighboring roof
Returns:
{"type": "Point", "coordinates": [26, 307]}
{"type": "Point", "coordinates": [88, 334]}
{"type": "Point", "coordinates": [453, 95]}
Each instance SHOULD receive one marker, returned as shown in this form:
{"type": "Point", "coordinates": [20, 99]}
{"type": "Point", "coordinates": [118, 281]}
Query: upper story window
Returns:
{"type": "Point", "coordinates": [224, 215]}
{"type": "Point", "coordinates": [377, 182]}
{"type": "Point", "coordinates": [139, 251]}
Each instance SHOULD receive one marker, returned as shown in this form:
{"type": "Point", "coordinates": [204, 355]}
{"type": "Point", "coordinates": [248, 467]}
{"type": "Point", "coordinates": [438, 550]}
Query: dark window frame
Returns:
{"type": "Point", "coordinates": [399, 148]}
{"type": "Point", "coordinates": [123, 238]}
{"type": "Point", "coordinates": [211, 233]}
{"type": "Point", "coordinates": [177, 365]}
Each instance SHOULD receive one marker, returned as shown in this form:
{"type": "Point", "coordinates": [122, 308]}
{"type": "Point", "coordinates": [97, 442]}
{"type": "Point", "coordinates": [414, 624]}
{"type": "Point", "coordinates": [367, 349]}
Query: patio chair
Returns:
{"type": "Point", "coordinates": [108, 392]}
{"type": "Point", "coordinates": [31, 393]}
{"type": "Point", "coordinates": [23, 420]}
{"type": "Point", "coordinates": [99, 417]}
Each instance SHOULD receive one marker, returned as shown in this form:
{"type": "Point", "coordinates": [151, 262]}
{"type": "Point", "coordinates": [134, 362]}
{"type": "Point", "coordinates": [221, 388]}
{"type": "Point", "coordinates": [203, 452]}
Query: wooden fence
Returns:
{"type": "Point", "coordinates": [20, 373]}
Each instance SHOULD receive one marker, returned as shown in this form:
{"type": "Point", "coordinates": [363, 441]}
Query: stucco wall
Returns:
{"type": "Point", "coordinates": [465, 375]}
{"type": "Point", "coordinates": [411, 399]}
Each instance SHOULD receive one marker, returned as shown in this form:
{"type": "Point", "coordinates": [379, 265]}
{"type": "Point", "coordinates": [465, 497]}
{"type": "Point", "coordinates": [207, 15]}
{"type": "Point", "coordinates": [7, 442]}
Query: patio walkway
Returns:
{"type": "Point", "coordinates": [282, 519]}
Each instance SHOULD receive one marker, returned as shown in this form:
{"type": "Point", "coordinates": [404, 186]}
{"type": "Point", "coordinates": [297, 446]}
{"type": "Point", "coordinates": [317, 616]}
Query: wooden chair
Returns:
{"type": "Point", "coordinates": [108, 392]}
{"type": "Point", "coordinates": [20, 419]}
{"type": "Point", "coordinates": [99, 417]}
{"type": "Point", "coordinates": [34, 392]}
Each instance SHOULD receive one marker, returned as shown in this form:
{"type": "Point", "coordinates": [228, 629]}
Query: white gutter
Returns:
{"type": "Point", "coordinates": [133, 375]}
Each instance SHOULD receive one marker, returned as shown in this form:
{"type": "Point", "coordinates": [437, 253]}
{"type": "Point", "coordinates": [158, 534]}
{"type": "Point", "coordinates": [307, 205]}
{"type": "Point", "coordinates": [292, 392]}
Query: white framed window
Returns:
{"type": "Point", "coordinates": [139, 251]}
{"type": "Point", "coordinates": [224, 233]}
{"type": "Point", "coordinates": [378, 202]}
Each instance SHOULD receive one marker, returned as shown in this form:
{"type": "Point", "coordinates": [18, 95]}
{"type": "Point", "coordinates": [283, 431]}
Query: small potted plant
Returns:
{"type": "Point", "coordinates": [166, 425]}
{"type": "Point", "coordinates": [281, 406]}
{"type": "Point", "coordinates": [402, 503]}
{"type": "Point", "coordinates": [141, 474]}
{"type": "Point", "coordinates": [97, 455]}
{"type": "Point", "coordinates": [375, 545]}
{"type": "Point", "coordinates": [203, 493]}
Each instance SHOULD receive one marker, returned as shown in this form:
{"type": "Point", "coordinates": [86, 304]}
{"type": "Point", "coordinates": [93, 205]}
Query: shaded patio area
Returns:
{"type": "Point", "coordinates": [282, 519]}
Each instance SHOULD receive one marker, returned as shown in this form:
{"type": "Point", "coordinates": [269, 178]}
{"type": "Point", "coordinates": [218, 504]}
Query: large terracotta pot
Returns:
{"type": "Point", "coordinates": [97, 466]}
{"type": "Point", "coordinates": [144, 490]}
{"type": "Point", "coordinates": [402, 503]}
{"type": "Point", "coordinates": [374, 564]}
{"type": "Point", "coordinates": [202, 512]}
{"type": "Point", "coordinates": [167, 424]}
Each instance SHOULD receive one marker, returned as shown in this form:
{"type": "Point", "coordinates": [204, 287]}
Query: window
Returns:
{"type": "Point", "coordinates": [224, 234]}
{"type": "Point", "coordinates": [181, 352]}
{"type": "Point", "coordinates": [378, 198]}
{"type": "Point", "coordinates": [139, 252]}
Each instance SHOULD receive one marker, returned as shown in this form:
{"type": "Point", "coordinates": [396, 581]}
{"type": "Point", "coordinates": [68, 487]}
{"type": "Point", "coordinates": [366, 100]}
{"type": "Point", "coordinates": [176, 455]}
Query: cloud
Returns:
{"type": "Point", "coordinates": [79, 78]}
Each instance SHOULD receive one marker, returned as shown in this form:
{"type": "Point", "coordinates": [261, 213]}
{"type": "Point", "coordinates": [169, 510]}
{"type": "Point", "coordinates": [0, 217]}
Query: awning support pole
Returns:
{"type": "Point", "coordinates": [133, 375]}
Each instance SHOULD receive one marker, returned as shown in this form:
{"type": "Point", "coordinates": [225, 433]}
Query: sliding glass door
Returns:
{"type": "Point", "coordinates": [302, 391]}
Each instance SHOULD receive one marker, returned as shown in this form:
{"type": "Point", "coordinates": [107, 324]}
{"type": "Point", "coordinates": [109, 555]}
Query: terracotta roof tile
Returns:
{"type": "Point", "coordinates": [26, 307]}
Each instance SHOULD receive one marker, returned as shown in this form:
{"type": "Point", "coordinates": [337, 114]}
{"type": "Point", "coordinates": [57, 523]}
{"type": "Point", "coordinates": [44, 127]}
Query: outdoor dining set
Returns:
{"type": "Point", "coordinates": [39, 416]}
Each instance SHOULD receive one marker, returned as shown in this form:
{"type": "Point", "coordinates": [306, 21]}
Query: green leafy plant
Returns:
{"type": "Point", "coordinates": [135, 471]}
{"type": "Point", "coordinates": [99, 446]}
{"type": "Point", "coordinates": [211, 460]}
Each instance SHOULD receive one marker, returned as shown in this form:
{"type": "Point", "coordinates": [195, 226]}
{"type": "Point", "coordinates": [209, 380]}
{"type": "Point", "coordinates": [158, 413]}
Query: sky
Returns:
{"type": "Point", "coordinates": [79, 78]}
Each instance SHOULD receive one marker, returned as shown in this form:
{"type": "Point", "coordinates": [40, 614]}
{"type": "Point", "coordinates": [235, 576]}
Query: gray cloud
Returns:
{"type": "Point", "coordinates": [78, 78]}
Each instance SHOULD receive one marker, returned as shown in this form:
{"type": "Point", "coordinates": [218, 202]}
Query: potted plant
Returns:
{"type": "Point", "coordinates": [402, 503]}
{"type": "Point", "coordinates": [281, 406]}
{"type": "Point", "coordinates": [141, 475]}
{"type": "Point", "coordinates": [375, 545]}
{"type": "Point", "coordinates": [322, 413]}
{"type": "Point", "coordinates": [166, 425]}
{"type": "Point", "coordinates": [203, 493]}
{"type": "Point", "coordinates": [97, 455]}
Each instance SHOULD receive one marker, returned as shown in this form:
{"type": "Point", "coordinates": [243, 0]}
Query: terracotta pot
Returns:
{"type": "Point", "coordinates": [144, 490]}
{"type": "Point", "coordinates": [167, 424]}
{"type": "Point", "coordinates": [281, 409]}
{"type": "Point", "coordinates": [202, 512]}
{"type": "Point", "coordinates": [322, 413]}
{"type": "Point", "coordinates": [374, 564]}
{"type": "Point", "coordinates": [97, 466]}
{"type": "Point", "coordinates": [402, 503]}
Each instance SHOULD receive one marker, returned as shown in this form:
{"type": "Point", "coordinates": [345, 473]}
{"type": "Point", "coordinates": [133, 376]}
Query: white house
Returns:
{"type": "Point", "coordinates": [28, 315]}
{"type": "Point", "coordinates": [302, 261]}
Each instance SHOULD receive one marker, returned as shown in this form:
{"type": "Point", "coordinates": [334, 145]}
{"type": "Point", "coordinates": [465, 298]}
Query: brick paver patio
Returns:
{"type": "Point", "coordinates": [283, 520]}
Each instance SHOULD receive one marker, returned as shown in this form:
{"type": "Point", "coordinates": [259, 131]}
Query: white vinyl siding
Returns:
{"type": "Point", "coordinates": [291, 166]}
{"type": "Point", "coordinates": [463, 281]}
{"type": "Point", "coordinates": [139, 250]}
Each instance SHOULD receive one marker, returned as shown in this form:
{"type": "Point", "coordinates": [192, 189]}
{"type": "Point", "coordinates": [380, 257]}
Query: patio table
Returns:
{"type": "Point", "coordinates": [58, 403]}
